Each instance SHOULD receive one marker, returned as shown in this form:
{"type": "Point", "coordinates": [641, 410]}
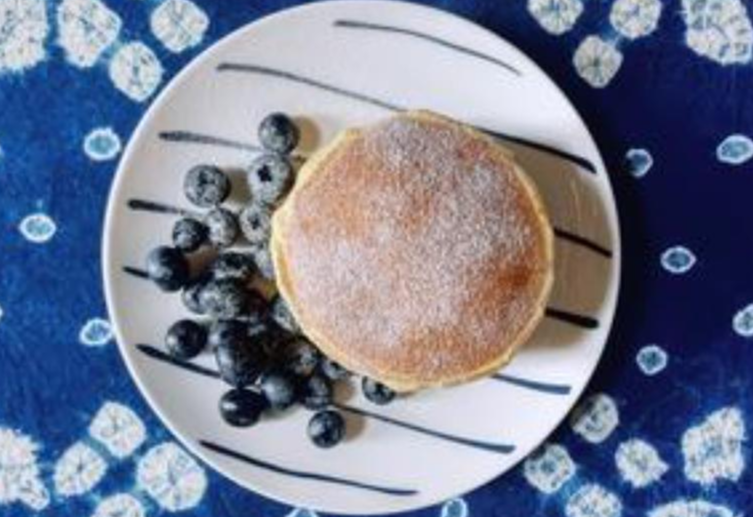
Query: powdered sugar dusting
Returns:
{"type": "Point", "coordinates": [417, 234]}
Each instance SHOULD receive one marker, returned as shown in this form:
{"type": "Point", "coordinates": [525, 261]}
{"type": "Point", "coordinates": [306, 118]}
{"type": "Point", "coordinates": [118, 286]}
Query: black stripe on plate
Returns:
{"type": "Point", "coordinates": [579, 320]}
{"type": "Point", "coordinates": [293, 77]}
{"type": "Point", "coordinates": [538, 146]}
{"type": "Point", "coordinates": [355, 24]}
{"type": "Point", "coordinates": [144, 205]}
{"type": "Point", "coordinates": [301, 474]}
{"type": "Point", "coordinates": [499, 448]}
{"type": "Point", "coordinates": [582, 241]}
{"type": "Point", "coordinates": [191, 137]}
{"type": "Point", "coordinates": [543, 387]}
{"type": "Point", "coordinates": [134, 271]}
{"type": "Point", "coordinates": [300, 79]}
{"type": "Point", "coordinates": [159, 355]}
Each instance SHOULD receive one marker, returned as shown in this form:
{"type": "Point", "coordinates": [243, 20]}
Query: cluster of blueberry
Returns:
{"type": "Point", "coordinates": [257, 344]}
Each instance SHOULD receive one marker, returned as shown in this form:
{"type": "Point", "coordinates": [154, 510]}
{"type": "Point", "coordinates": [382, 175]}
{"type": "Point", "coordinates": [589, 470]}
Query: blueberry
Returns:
{"type": "Point", "coordinates": [189, 234]}
{"type": "Point", "coordinates": [279, 388]}
{"type": "Point", "coordinates": [256, 224]}
{"type": "Point", "coordinates": [316, 392]}
{"type": "Point", "coordinates": [231, 264]}
{"type": "Point", "coordinates": [222, 227]}
{"type": "Point", "coordinates": [185, 339]}
{"type": "Point", "coordinates": [263, 260]}
{"type": "Point", "coordinates": [239, 364]}
{"type": "Point", "coordinates": [333, 370]}
{"type": "Point", "coordinates": [269, 177]}
{"type": "Point", "coordinates": [206, 186]}
{"type": "Point", "coordinates": [228, 333]}
{"type": "Point", "coordinates": [168, 268]}
{"type": "Point", "coordinates": [376, 392]}
{"type": "Point", "coordinates": [256, 305]}
{"type": "Point", "coordinates": [242, 408]}
{"type": "Point", "coordinates": [256, 310]}
{"type": "Point", "coordinates": [268, 337]}
{"type": "Point", "coordinates": [250, 320]}
{"type": "Point", "coordinates": [226, 298]}
{"type": "Point", "coordinates": [283, 317]}
{"type": "Point", "coordinates": [326, 428]}
{"type": "Point", "coordinates": [190, 296]}
{"type": "Point", "coordinates": [301, 357]}
{"type": "Point", "coordinates": [278, 133]}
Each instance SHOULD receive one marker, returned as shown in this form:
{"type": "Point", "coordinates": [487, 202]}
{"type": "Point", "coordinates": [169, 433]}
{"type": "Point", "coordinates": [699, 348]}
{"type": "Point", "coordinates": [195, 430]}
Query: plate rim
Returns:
{"type": "Point", "coordinates": [118, 182]}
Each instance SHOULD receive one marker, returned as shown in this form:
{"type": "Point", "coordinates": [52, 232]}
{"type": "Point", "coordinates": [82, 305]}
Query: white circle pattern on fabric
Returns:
{"type": "Point", "coordinates": [595, 418]}
{"type": "Point", "coordinates": [78, 470]}
{"type": "Point", "coordinates": [556, 16]}
{"type": "Point", "coordinates": [86, 29]}
{"type": "Point", "coordinates": [179, 24]}
{"type": "Point", "coordinates": [549, 468]}
{"type": "Point", "coordinates": [23, 31]}
{"type": "Point", "coordinates": [652, 359]}
{"type": "Point", "coordinates": [136, 71]}
{"type": "Point", "coordinates": [639, 162]}
{"type": "Point", "coordinates": [639, 463]}
{"type": "Point", "coordinates": [692, 508]}
{"type": "Point", "coordinates": [118, 429]}
{"type": "Point", "coordinates": [593, 500]}
{"type": "Point", "coordinates": [19, 472]}
{"type": "Point", "coordinates": [635, 18]}
{"type": "Point", "coordinates": [37, 228]}
{"type": "Point", "coordinates": [119, 505]}
{"type": "Point", "coordinates": [742, 322]}
{"type": "Point", "coordinates": [597, 61]}
{"type": "Point", "coordinates": [678, 260]}
{"type": "Point", "coordinates": [454, 508]}
{"type": "Point", "coordinates": [171, 477]}
{"type": "Point", "coordinates": [95, 332]}
{"type": "Point", "coordinates": [713, 449]}
{"type": "Point", "coordinates": [736, 149]}
{"type": "Point", "coordinates": [719, 30]}
{"type": "Point", "coordinates": [102, 144]}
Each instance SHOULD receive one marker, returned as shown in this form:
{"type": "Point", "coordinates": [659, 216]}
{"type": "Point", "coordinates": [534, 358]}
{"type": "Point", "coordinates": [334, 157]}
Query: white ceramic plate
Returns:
{"type": "Point", "coordinates": [334, 65]}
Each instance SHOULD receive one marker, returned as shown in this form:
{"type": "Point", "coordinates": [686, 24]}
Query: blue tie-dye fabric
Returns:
{"type": "Point", "coordinates": [664, 87]}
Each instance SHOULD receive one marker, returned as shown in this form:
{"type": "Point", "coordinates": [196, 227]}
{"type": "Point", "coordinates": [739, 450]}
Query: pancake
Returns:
{"type": "Point", "coordinates": [414, 251]}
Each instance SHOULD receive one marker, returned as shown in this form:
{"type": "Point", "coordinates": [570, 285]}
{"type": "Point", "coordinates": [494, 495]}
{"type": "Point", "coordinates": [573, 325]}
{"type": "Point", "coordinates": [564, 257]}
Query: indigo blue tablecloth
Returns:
{"type": "Point", "coordinates": [666, 87]}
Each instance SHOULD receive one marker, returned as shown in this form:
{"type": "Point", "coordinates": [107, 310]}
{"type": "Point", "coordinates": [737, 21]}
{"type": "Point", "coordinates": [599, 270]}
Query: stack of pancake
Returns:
{"type": "Point", "coordinates": [415, 251]}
